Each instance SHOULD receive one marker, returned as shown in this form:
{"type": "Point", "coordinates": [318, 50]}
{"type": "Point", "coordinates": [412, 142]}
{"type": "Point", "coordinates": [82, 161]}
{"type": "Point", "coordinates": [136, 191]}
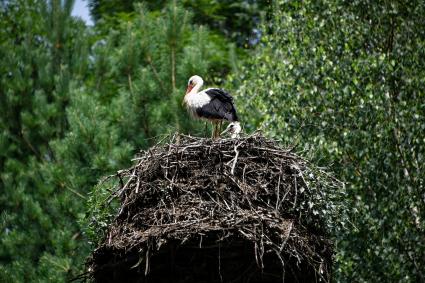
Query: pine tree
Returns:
{"type": "Point", "coordinates": [41, 56]}
{"type": "Point", "coordinates": [236, 20]}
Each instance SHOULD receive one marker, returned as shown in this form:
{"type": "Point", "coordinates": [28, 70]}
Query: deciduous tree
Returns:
{"type": "Point", "coordinates": [345, 81]}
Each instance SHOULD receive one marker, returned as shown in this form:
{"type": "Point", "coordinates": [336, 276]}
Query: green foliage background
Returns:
{"type": "Point", "coordinates": [344, 80]}
{"type": "Point", "coordinates": [236, 20]}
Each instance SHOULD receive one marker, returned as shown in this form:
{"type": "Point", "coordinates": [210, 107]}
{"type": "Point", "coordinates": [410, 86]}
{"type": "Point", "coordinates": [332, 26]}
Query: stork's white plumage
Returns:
{"type": "Point", "coordinates": [212, 104]}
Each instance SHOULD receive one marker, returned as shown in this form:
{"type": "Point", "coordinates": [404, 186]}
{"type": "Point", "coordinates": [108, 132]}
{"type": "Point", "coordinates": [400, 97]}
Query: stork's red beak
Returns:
{"type": "Point", "coordinates": [189, 88]}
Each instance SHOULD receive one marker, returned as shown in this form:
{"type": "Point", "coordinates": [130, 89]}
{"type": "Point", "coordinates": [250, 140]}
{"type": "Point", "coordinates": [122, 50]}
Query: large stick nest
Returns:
{"type": "Point", "coordinates": [231, 210]}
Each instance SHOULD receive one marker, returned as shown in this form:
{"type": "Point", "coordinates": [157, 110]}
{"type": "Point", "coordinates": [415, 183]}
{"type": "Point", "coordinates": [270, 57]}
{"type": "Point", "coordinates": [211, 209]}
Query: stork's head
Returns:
{"type": "Point", "coordinates": [234, 129]}
{"type": "Point", "coordinates": [194, 81]}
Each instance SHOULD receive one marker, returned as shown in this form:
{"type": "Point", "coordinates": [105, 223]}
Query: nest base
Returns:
{"type": "Point", "coordinates": [229, 261]}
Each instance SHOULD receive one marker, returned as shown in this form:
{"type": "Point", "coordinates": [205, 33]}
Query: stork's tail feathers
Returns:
{"type": "Point", "coordinates": [234, 129]}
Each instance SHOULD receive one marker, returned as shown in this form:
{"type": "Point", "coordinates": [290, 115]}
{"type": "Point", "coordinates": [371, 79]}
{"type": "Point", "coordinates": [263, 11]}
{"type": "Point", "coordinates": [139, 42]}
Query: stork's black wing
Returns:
{"type": "Point", "coordinates": [219, 94]}
{"type": "Point", "coordinates": [220, 107]}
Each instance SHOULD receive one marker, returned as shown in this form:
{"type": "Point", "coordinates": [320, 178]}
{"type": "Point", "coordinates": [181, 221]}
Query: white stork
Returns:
{"type": "Point", "coordinates": [212, 104]}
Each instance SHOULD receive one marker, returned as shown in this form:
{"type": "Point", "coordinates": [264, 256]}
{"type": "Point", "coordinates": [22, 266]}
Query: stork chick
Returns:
{"type": "Point", "coordinates": [212, 104]}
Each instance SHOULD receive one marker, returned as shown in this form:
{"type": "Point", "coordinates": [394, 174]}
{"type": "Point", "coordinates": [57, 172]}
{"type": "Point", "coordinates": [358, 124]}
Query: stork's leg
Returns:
{"type": "Point", "coordinates": [206, 129]}
{"type": "Point", "coordinates": [212, 129]}
{"type": "Point", "coordinates": [215, 130]}
{"type": "Point", "coordinates": [219, 130]}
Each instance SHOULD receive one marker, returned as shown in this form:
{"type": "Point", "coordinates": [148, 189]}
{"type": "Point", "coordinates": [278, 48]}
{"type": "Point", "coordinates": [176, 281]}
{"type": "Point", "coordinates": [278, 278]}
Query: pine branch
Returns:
{"type": "Point", "coordinates": [155, 72]}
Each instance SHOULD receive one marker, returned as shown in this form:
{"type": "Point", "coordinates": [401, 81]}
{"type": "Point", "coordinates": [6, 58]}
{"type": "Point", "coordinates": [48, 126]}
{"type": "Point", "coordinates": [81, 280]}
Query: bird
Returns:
{"type": "Point", "coordinates": [212, 104]}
